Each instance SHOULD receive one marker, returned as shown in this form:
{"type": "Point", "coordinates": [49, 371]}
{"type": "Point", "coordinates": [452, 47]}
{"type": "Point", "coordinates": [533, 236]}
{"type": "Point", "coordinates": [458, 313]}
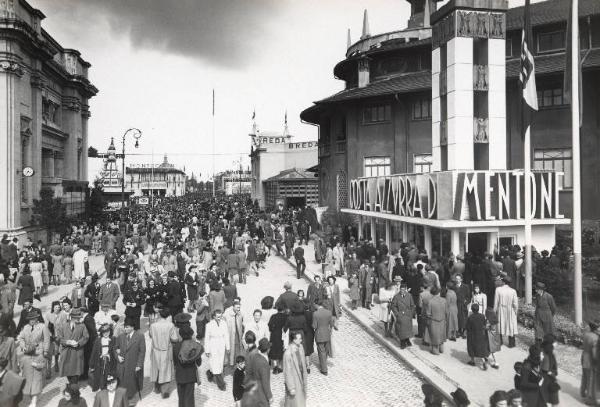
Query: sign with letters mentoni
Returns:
{"type": "Point", "coordinates": [459, 195]}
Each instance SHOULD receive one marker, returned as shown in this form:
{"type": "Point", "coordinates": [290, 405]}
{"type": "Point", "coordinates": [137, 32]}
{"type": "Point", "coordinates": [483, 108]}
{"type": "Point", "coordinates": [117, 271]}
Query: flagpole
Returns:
{"type": "Point", "coordinates": [527, 180]}
{"type": "Point", "coordinates": [213, 143]}
{"type": "Point", "coordinates": [577, 281]}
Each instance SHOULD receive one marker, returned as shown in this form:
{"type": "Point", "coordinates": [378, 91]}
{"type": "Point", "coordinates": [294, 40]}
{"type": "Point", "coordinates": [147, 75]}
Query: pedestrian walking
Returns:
{"type": "Point", "coordinates": [452, 323]}
{"type": "Point", "coordinates": [300, 261]}
{"type": "Point", "coordinates": [531, 378]}
{"type": "Point", "coordinates": [110, 293]}
{"type": "Point", "coordinates": [72, 336]}
{"type": "Point", "coordinates": [463, 298]}
{"type": "Point", "coordinates": [277, 324]}
{"type": "Point", "coordinates": [494, 338]}
{"type": "Point", "coordinates": [322, 323]}
{"type": "Point", "coordinates": [103, 359]}
{"type": "Point", "coordinates": [162, 334]}
{"type": "Point", "coordinates": [403, 310]}
{"type": "Point", "coordinates": [589, 347]}
{"type": "Point", "coordinates": [11, 386]}
{"type": "Point", "coordinates": [477, 341]}
{"type": "Point", "coordinates": [112, 396]}
{"type": "Point", "coordinates": [239, 376]}
{"type": "Point", "coordinates": [187, 357]}
{"type": "Point", "coordinates": [34, 343]}
{"type": "Point", "coordinates": [131, 352]}
{"type": "Point", "coordinates": [216, 346]}
{"type": "Point", "coordinates": [436, 312]}
{"type": "Point", "coordinates": [72, 397]}
{"type": "Point", "coordinates": [260, 372]}
{"type": "Point", "coordinates": [235, 327]}
{"type": "Point", "coordinates": [545, 308]}
{"type": "Point", "coordinates": [506, 305]}
{"type": "Point", "coordinates": [295, 374]}
{"type": "Point", "coordinates": [549, 369]}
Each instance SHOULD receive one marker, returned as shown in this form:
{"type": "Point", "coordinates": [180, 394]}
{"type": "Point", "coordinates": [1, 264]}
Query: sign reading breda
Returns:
{"type": "Point", "coordinates": [459, 195]}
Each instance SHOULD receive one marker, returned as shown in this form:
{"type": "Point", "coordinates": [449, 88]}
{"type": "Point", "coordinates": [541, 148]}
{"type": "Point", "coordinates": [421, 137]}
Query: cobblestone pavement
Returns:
{"type": "Point", "coordinates": [362, 372]}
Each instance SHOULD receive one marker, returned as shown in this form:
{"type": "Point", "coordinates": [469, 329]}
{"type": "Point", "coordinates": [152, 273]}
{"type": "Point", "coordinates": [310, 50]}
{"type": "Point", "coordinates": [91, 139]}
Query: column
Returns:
{"type": "Point", "coordinates": [460, 103]}
{"type": "Point", "coordinates": [85, 115]}
{"type": "Point", "coordinates": [435, 110]}
{"type": "Point", "coordinates": [427, 239]}
{"type": "Point", "coordinates": [497, 103]}
{"type": "Point", "coordinates": [388, 233]}
{"type": "Point", "coordinates": [455, 241]}
{"type": "Point", "coordinates": [71, 124]}
{"type": "Point", "coordinates": [10, 143]}
{"type": "Point", "coordinates": [373, 227]}
{"type": "Point", "coordinates": [360, 226]}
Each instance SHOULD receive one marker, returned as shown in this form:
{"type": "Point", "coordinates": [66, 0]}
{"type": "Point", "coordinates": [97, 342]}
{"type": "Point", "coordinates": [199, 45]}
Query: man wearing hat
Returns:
{"type": "Point", "coordinates": [260, 371]}
{"type": "Point", "coordinates": [131, 351]}
{"type": "Point", "coordinates": [459, 396]}
{"type": "Point", "coordinates": [235, 325]}
{"type": "Point", "coordinates": [403, 309]}
{"type": "Point", "coordinates": [72, 336]}
{"type": "Point", "coordinates": [11, 385]}
{"type": "Point", "coordinates": [92, 294]}
{"type": "Point", "coordinates": [175, 294]}
{"type": "Point", "coordinates": [545, 308]}
{"type": "Point", "coordinates": [113, 395]}
{"type": "Point", "coordinates": [187, 356]}
{"type": "Point", "coordinates": [506, 305]}
{"type": "Point", "coordinates": [25, 312]}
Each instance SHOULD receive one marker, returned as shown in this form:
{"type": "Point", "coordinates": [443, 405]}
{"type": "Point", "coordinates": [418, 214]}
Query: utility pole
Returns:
{"type": "Point", "coordinates": [137, 133]}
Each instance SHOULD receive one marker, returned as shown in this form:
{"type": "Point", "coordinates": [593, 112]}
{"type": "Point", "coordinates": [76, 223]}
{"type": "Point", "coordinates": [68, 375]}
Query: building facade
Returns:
{"type": "Point", "coordinates": [44, 111]}
{"type": "Point", "coordinates": [292, 188]}
{"type": "Point", "coordinates": [438, 104]}
{"type": "Point", "coordinates": [233, 182]}
{"type": "Point", "coordinates": [271, 153]}
{"type": "Point", "coordinates": [159, 180]}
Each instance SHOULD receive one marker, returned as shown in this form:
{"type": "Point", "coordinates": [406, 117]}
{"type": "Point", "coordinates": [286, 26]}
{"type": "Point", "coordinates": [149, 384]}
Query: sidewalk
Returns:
{"type": "Point", "coordinates": [450, 369]}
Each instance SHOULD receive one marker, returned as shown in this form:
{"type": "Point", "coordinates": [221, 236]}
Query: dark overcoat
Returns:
{"type": "Point", "coordinates": [477, 342]}
{"type": "Point", "coordinates": [134, 352]}
{"type": "Point", "coordinates": [403, 308]}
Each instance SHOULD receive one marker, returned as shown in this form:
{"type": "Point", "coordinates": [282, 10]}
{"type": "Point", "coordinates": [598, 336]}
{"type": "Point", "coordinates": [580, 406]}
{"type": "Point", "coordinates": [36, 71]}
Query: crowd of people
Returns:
{"type": "Point", "coordinates": [176, 267]}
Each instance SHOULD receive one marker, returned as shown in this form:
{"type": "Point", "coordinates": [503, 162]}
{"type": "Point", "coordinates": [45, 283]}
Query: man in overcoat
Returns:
{"type": "Point", "coordinates": [72, 336]}
{"type": "Point", "coordinates": [403, 308]}
{"type": "Point", "coordinates": [545, 308]}
{"type": "Point", "coordinates": [477, 340]}
{"type": "Point", "coordinates": [295, 373]}
{"type": "Point", "coordinates": [109, 292]}
{"type": "Point", "coordinates": [322, 323]}
{"type": "Point", "coordinates": [162, 334]}
{"type": "Point", "coordinates": [235, 325]}
{"type": "Point", "coordinates": [259, 370]}
{"type": "Point", "coordinates": [463, 298]}
{"type": "Point", "coordinates": [506, 305]}
{"type": "Point", "coordinates": [436, 312]}
{"type": "Point", "coordinates": [131, 351]}
{"type": "Point", "coordinates": [11, 386]}
{"type": "Point", "coordinates": [365, 283]}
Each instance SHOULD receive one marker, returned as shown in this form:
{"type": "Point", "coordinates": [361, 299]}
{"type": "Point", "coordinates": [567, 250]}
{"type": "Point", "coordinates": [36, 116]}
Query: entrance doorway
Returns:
{"type": "Point", "coordinates": [478, 243]}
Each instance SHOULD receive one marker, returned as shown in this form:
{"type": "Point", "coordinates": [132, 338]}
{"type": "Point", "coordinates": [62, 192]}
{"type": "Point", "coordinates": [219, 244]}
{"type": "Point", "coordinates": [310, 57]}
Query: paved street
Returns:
{"type": "Point", "coordinates": [362, 369]}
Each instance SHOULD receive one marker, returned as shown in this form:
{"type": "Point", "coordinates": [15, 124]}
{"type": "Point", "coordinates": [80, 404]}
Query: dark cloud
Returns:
{"type": "Point", "coordinates": [221, 32]}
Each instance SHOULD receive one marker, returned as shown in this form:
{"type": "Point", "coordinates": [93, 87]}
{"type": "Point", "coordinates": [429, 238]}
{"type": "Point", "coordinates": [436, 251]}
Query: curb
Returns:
{"type": "Point", "coordinates": [423, 372]}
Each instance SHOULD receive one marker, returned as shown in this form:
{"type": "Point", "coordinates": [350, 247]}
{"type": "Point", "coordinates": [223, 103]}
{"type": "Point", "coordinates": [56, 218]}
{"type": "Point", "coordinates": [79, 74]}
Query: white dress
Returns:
{"type": "Point", "coordinates": [216, 342]}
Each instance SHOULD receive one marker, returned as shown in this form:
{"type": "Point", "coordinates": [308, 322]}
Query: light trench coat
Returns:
{"type": "Point", "coordinates": [216, 343]}
{"type": "Point", "coordinates": [506, 305]}
{"type": "Point", "coordinates": [162, 334]}
{"type": "Point", "coordinates": [295, 376]}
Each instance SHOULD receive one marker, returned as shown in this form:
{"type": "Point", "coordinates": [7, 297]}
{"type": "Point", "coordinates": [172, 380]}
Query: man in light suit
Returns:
{"type": "Point", "coordinates": [110, 292]}
{"type": "Point", "coordinates": [322, 324]}
{"type": "Point", "coordinates": [11, 386]}
{"type": "Point", "coordinates": [294, 372]}
{"type": "Point", "coordinates": [112, 396]}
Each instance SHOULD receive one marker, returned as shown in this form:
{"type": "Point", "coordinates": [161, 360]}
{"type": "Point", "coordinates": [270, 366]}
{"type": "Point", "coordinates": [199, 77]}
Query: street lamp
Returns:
{"type": "Point", "coordinates": [137, 133]}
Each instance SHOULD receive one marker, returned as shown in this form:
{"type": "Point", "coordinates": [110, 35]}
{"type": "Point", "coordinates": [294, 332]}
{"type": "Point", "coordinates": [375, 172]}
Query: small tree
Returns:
{"type": "Point", "coordinates": [50, 212]}
{"type": "Point", "coordinates": [97, 202]}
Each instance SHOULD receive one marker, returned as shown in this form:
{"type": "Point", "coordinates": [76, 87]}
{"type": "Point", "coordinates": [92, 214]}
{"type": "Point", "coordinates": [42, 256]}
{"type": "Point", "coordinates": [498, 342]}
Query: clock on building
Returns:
{"type": "Point", "coordinates": [28, 171]}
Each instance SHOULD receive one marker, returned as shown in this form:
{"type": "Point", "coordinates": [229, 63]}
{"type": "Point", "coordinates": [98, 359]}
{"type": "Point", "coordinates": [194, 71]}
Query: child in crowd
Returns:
{"type": "Point", "coordinates": [238, 379]}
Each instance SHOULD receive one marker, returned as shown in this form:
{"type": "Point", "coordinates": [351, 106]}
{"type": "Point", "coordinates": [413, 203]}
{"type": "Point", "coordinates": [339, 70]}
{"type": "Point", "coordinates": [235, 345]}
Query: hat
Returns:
{"type": "Point", "coordinates": [129, 321]}
{"type": "Point", "coordinates": [264, 345]}
{"type": "Point", "coordinates": [182, 317]}
{"type": "Point", "coordinates": [76, 313]}
{"type": "Point", "coordinates": [540, 286]}
{"type": "Point", "coordinates": [460, 397]}
{"type": "Point", "coordinates": [111, 379]}
{"type": "Point", "coordinates": [95, 277]}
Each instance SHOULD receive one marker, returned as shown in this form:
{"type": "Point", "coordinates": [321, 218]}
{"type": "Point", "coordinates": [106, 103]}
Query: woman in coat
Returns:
{"type": "Point", "coordinates": [216, 298]}
{"type": "Point", "coordinates": [72, 335]}
{"type": "Point", "coordinates": [51, 319]}
{"type": "Point", "coordinates": [494, 339]}
{"type": "Point", "coordinates": [338, 259]}
{"type": "Point", "coordinates": [57, 268]}
{"type": "Point", "coordinates": [477, 342]}
{"type": "Point", "coordinates": [276, 328]}
{"type": "Point", "coordinates": [26, 287]}
{"type": "Point", "coordinates": [452, 325]}
{"type": "Point", "coordinates": [295, 373]}
{"type": "Point", "coordinates": [36, 269]}
{"type": "Point", "coordinates": [103, 360]}
{"type": "Point", "coordinates": [531, 378]}
{"type": "Point", "coordinates": [34, 342]}
{"type": "Point", "coordinates": [216, 344]}
{"type": "Point", "coordinates": [354, 289]}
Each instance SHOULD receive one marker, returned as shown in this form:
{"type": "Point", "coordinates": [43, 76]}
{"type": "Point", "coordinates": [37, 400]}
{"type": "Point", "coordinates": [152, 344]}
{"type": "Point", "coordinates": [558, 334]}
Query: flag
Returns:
{"type": "Point", "coordinates": [213, 113]}
{"type": "Point", "coordinates": [567, 94]}
{"type": "Point", "coordinates": [527, 73]}
{"type": "Point", "coordinates": [286, 116]}
{"type": "Point", "coordinates": [254, 114]}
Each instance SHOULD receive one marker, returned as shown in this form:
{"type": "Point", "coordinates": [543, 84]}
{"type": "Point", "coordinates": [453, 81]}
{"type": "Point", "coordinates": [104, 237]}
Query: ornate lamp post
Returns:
{"type": "Point", "coordinates": [137, 133]}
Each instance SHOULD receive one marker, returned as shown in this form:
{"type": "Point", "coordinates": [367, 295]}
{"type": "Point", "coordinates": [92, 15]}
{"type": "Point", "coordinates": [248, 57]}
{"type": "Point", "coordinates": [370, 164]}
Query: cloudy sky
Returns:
{"type": "Point", "coordinates": [156, 62]}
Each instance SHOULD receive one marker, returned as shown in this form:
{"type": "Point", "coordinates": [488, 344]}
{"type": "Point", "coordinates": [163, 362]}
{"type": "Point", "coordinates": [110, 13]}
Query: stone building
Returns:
{"type": "Point", "coordinates": [438, 104]}
{"type": "Point", "coordinates": [160, 180]}
{"type": "Point", "coordinates": [44, 111]}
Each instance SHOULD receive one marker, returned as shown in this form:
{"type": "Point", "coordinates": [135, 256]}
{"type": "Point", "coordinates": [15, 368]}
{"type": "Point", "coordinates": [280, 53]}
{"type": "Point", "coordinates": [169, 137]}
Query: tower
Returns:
{"type": "Point", "coordinates": [468, 85]}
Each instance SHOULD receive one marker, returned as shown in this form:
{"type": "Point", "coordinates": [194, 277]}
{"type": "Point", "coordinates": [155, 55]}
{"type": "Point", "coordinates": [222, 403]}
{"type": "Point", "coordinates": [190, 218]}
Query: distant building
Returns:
{"type": "Point", "coordinates": [44, 113]}
{"type": "Point", "coordinates": [292, 188]}
{"type": "Point", "coordinates": [271, 153]}
{"type": "Point", "coordinates": [160, 180]}
{"type": "Point", "coordinates": [234, 182]}
{"type": "Point", "coordinates": [111, 179]}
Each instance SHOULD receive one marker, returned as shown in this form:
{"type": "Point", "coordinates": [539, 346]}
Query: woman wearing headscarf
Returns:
{"type": "Point", "coordinates": [103, 360]}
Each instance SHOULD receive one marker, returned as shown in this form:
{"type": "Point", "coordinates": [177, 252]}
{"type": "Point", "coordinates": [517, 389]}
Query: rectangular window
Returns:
{"type": "Point", "coordinates": [377, 166]}
{"type": "Point", "coordinates": [376, 114]}
{"type": "Point", "coordinates": [422, 163]}
{"type": "Point", "coordinates": [421, 109]}
{"type": "Point", "coordinates": [558, 159]}
{"type": "Point", "coordinates": [550, 97]}
{"type": "Point", "coordinates": [551, 41]}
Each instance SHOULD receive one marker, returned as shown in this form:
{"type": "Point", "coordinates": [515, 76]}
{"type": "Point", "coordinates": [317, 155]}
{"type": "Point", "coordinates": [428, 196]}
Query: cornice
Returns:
{"type": "Point", "coordinates": [71, 103]}
{"type": "Point", "coordinates": [16, 29]}
{"type": "Point", "coordinates": [11, 67]}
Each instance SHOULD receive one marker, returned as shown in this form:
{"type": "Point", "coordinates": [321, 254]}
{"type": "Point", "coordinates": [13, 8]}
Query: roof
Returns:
{"type": "Point", "coordinates": [293, 174]}
{"type": "Point", "coordinates": [155, 170]}
{"type": "Point", "coordinates": [553, 63]}
{"type": "Point", "coordinates": [548, 12]}
{"type": "Point", "coordinates": [404, 83]}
